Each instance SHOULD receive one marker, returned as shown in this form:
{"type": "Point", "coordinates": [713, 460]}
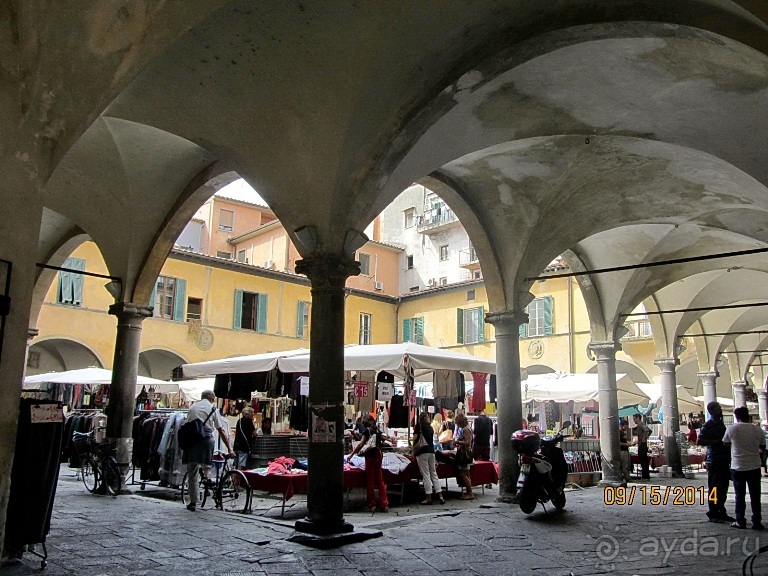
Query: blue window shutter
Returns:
{"type": "Point", "coordinates": [460, 326]}
{"type": "Point", "coordinates": [420, 330]}
{"type": "Point", "coordinates": [407, 330]}
{"type": "Point", "coordinates": [261, 319]}
{"type": "Point", "coordinates": [238, 317]}
{"type": "Point", "coordinates": [180, 300]}
{"type": "Point", "coordinates": [481, 324]}
{"type": "Point", "coordinates": [300, 320]}
{"type": "Point", "coordinates": [547, 314]}
{"type": "Point", "coordinates": [153, 300]}
{"type": "Point", "coordinates": [521, 330]}
{"type": "Point", "coordinates": [64, 293]}
{"type": "Point", "coordinates": [77, 280]}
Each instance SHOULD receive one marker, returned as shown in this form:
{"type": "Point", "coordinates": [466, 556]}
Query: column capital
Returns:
{"type": "Point", "coordinates": [506, 321]}
{"type": "Point", "coordinates": [32, 333]}
{"type": "Point", "coordinates": [603, 351]}
{"type": "Point", "coordinates": [761, 393]}
{"type": "Point", "coordinates": [327, 270]}
{"type": "Point", "coordinates": [739, 384]}
{"type": "Point", "coordinates": [667, 364]}
{"type": "Point", "coordinates": [129, 310]}
{"type": "Point", "coordinates": [710, 375]}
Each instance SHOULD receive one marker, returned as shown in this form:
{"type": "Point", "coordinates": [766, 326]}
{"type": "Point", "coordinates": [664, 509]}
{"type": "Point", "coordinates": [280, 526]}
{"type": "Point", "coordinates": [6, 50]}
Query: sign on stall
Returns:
{"type": "Point", "coordinates": [361, 389]}
{"type": "Point", "coordinates": [304, 385]}
{"type": "Point", "coordinates": [323, 431]}
{"type": "Point", "coordinates": [385, 391]}
{"type": "Point", "coordinates": [47, 414]}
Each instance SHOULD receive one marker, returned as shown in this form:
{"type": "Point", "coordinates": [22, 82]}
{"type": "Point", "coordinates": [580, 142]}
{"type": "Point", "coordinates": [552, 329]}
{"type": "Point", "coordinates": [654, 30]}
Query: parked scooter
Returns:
{"type": "Point", "coordinates": [543, 469]}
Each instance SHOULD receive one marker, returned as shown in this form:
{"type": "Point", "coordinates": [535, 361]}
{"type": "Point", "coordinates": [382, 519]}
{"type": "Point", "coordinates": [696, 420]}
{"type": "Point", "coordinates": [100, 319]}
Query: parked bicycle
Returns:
{"type": "Point", "coordinates": [229, 489]}
{"type": "Point", "coordinates": [98, 466]}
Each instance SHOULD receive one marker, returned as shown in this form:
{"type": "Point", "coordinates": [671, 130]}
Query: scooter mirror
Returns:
{"type": "Point", "coordinates": [566, 424]}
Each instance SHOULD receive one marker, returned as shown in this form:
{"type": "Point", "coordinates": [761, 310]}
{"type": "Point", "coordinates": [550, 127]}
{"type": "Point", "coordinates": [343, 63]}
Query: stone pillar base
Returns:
{"type": "Point", "coordinates": [613, 483]}
{"type": "Point", "coordinates": [323, 527]}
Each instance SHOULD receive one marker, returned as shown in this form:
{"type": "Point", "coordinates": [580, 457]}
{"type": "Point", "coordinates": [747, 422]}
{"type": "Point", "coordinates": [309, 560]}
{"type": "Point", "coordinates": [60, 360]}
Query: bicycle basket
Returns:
{"type": "Point", "coordinates": [82, 445]}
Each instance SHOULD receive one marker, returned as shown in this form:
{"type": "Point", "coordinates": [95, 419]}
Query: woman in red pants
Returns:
{"type": "Point", "coordinates": [369, 448]}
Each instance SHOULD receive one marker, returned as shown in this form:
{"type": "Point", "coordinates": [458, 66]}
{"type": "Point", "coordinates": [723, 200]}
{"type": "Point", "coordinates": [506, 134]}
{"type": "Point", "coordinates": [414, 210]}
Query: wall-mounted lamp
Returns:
{"type": "Point", "coordinates": [307, 236]}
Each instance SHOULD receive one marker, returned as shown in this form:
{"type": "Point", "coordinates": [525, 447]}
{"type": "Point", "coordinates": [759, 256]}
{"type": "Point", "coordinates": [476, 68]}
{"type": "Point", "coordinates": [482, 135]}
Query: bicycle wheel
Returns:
{"type": "Point", "coordinates": [111, 476]}
{"type": "Point", "coordinates": [185, 492]}
{"type": "Point", "coordinates": [89, 473]}
{"type": "Point", "coordinates": [233, 492]}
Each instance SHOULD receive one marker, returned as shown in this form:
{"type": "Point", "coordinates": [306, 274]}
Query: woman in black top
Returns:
{"type": "Point", "coordinates": [425, 458]}
{"type": "Point", "coordinates": [244, 431]}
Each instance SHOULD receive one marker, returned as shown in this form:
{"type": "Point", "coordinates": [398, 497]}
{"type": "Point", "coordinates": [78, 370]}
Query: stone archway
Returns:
{"type": "Point", "coordinates": [159, 363]}
{"type": "Point", "coordinates": [59, 355]}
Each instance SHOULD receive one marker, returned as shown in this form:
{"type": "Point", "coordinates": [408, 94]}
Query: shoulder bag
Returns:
{"type": "Point", "coordinates": [419, 444]}
{"type": "Point", "coordinates": [190, 433]}
{"type": "Point", "coordinates": [464, 453]}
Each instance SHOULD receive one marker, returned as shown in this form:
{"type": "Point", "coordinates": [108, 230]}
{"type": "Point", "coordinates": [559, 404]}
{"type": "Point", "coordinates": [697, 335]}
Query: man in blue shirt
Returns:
{"type": "Point", "coordinates": [718, 463]}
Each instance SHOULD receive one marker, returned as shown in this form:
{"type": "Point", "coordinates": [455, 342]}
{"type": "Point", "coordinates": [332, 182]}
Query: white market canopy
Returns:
{"type": "Point", "coordinates": [93, 376]}
{"type": "Point", "coordinates": [191, 390]}
{"type": "Point", "coordinates": [685, 402]}
{"type": "Point", "coordinates": [393, 357]}
{"type": "Point", "coordinates": [240, 364]}
{"type": "Point", "coordinates": [564, 387]}
{"type": "Point", "coordinates": [725, 402]}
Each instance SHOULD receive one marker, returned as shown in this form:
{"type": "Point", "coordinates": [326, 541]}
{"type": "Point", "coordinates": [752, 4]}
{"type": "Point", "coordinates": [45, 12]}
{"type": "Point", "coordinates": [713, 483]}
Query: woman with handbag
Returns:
{"type": "Point", "coordinates": [463, 443]}
{"type": "Point", "coordinates": [449, 430]}
{"type": "Point", "coordinates": [244, 433]}
{"type": "Point", "coordinates": [424, 451]}
{"type": "Point", "coordinates": [370, 450]}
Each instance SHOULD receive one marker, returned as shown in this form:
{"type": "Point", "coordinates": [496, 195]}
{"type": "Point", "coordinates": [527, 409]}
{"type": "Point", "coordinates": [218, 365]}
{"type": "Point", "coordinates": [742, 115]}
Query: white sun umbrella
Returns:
{"type": "Point", "coordinates": [725, 402]}
{"type": "Point", "coordinates": [93, 376]}
{"type": "Point", "coordinates": [564, 387]}
{"type": "Point", "coordinates": [239, 364]}
{"type": "Point", "coordinates": [685, 402]}
{"type": "Point", "coordinates": [392, 357]}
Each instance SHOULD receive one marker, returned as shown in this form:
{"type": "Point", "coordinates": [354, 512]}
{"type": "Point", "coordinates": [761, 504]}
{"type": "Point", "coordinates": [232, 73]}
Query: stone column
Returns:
{"type": "Point", "coordinates": [325, 492]}
{"type": "Point", "coordinates": [122, 391]}
{"type": "Point", "coordinates": [739, 393]}
{"type": "Point", "coordinates": [509, 407]}
{"type": "Point", "coordinates": [762, 404]}
{"type": "Point", "coordinates": [605, 355]}
{"type": "Point", "coordinates": [671, 424]}
{"type": "Point", "coordinates": [709, 388]}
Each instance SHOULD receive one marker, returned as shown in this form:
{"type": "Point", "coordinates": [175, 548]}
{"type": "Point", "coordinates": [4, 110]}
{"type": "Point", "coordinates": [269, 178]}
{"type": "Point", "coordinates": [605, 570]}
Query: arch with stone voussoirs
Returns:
{"type": "Point", "coordinates": [66, 353]}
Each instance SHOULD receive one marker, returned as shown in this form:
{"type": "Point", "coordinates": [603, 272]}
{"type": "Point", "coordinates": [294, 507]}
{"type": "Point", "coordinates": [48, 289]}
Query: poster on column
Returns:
{"type": "Point", "coordinates": [323, 429]}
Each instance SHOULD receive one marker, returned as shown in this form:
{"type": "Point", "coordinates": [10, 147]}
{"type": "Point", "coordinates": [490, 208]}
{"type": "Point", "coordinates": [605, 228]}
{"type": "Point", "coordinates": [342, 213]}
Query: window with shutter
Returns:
{"type": "Point", "coordinates": [471, 325]}
{"type": "Point", "coordinates": [419, 329]}
{"type": "Point", "coordinates": [365, 264]}
{"type": "Point", "coordinates": [407, 330]}
{"type": "Point", "coordinates": [70, 284]}
{"type": "Point", "coordinates": [302, 319]}
{"type": "Point", "coordinates": [179, 300]}
{"type": "Point", "coordinates": [365, 328]}
{"type": "Point", "coordinates": [165, 298]}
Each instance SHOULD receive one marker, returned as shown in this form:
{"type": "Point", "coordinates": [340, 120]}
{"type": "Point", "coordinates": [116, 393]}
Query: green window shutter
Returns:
{"type": "Point", "coordinates": [300, 320]}
{"type": "Point", "coordinates": [261, 319]}
{"type": "Point", "coordinates": [547, 314]}
{"type": "Point", "coordinates": [521, 331]}
{"type": "Point", "coordinates": [152, 300]}
{"type": "Point", "coordinates": [407, 330]}
{"type": "Point", "coordinates": [481, 324]}
{"type": "Point", "coordinates": [420, 330]}
{"type": "Point", "coordinates": [77, 280]}
{"type": "Point", "coordinates": [180, 300]}
{"type": "Point", "coordinates": [460, 326]}
{"type": "Point", "coordinates": [237, 321]}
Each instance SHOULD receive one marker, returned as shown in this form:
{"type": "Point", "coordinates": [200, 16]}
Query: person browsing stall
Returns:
{"type": "Point", "coordinates": [266, 427]}
{"type": "Point", "coordinates": [425, 458]}
{"type": "Point", "coordinates": [718, 463]}
{"type": "Point", "coordinates": [641, 435]}
{"type": "Point", "coordinates": [199, 456]}
{"type": "Point", "coordinates": [369, 448]}
{"type": "Point", "coordinates": [244, 433]}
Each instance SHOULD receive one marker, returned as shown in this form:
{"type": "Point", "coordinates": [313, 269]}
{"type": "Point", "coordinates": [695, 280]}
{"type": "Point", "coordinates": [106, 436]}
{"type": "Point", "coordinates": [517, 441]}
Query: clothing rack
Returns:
{"type": "Point", "coordinates": [157, 468]}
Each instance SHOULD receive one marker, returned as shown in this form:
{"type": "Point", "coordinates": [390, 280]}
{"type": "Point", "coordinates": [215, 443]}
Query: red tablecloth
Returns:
{"type": "Point", "coordinates": [289, 484]}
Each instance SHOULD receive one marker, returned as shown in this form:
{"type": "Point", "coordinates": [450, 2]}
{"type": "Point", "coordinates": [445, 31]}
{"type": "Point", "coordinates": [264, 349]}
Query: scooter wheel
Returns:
{"type": "Point", "coordinates": [527, 504]}
{"type": "Point", "coordinates": [559, 501]}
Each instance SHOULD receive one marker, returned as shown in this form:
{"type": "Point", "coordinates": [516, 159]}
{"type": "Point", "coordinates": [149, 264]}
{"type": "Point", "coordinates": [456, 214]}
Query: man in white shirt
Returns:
{"type": "Point", "coordinates": [747, 443]}
{"type": "Point", "coordinates": [199, 456]}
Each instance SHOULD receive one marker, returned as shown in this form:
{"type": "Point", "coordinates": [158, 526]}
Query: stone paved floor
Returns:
{"type": "Point", "coordinates": [146, 534]}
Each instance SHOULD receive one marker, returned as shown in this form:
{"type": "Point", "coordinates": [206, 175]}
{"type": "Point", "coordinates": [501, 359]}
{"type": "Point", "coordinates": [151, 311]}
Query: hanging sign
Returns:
{"type": "Point", "coordinates": [304, 385]}
{"type": "Point", "coordinates": [385, 391]}
{"type": "Point", "coordinates": [46, 414]}
{"type": "Point", "coordinates": [361, 389]}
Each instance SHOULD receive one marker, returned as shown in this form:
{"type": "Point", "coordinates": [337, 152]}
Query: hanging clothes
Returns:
{"type": "Point", "coordinates": [478, 393]}
{"type": "Point", "coordinates": [398, 412]}
{"type": "Point", "coordinates": [492, 389]}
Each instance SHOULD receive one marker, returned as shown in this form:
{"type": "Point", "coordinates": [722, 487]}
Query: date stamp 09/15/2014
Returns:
{"type": "Point", "coordinates": [658, 495]}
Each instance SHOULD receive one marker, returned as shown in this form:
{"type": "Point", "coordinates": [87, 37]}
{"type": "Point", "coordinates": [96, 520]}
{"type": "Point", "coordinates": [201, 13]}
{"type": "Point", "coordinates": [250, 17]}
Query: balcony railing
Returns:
{"type": "Point", "coordinates": [468, 259]}
{"type": "Point", "coordinates": [436, 218]}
